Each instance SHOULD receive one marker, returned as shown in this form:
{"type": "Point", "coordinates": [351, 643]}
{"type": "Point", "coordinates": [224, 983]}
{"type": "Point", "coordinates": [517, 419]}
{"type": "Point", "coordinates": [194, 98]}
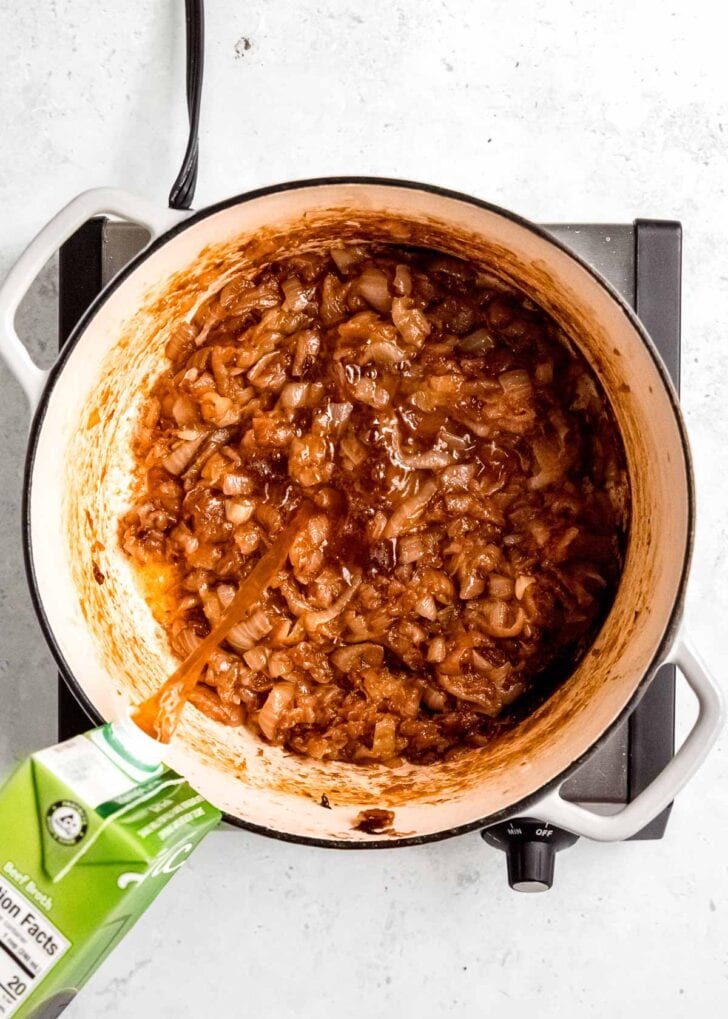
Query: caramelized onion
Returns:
{"type": "Point", "coordinates": [297, 296]}
{"type": "Point", "coordinates": [500, 619]}
{"type": "Point", "coordinates": [218, 410]}
{"type": "Point", "coordinates": [181, 342]}
{"type": "Point", "coordinates": [383, 744]}
{"type": "Point", "coordinates": [334, 416]}
{"type": "Point", "coordinates": [182, 455]}
{"type": "Point", "coordinates": [308, 347]}
{"type": "Point", "coordinates": [522, 584]}
{"type": "Point", "coordinates": [458, 476]}
{"type": "Point", "coordinates": [383, 352]}
{"type": "Point", "coordinates": [517, 386]}
{"type": "Point", "coordinates": [294, 395]}
{"type": "Point", "coordinates": [239, 511]}
{"type": "Point", "coordinates": [237, 484]}
{"type": "Point", "coordinates": [426, 607]}
{"type": "Point", "coordinates": [184, 411]}
{"type": "Point", "coordinates": [471, 586]}
{"type": "Point", "coordinates": [212, 442]}
{"type": "Point", "coordinates": [478, 342]}
{"type": "Point", "coordinates": [369, 392]}
{"type": "Point", "coordinates": [550, 461]}
{"type": "Point", "coordinates": [431, 460]}
{"type": "Point", "coordinates": [402, 284]}
{"type": "Point", "coordinates": [313, 621]}
{"type": "Point", "coordinates": [469, 504]}
{"type": "Point", "coordinates": [405, 516]}
{"type": "Point", "coordinates": [411, 323]}
{"type": "Point", "coordinates": [437, 650]}
{"type": "Point", "coordinates": [500, 587]}
{"type": "Point", "coordinates": [411, 547]}
{"type": "Point", "coordinates": [354, 657]}
{"type": "Point", "coordinates": [247, 633]}
{"type": "Point", "coordinates": [373, 286]}
{"type": "Point", "coordinates": [473, 690]}
{"type": "Point", "coordinates": [256, 658]}
{"type": "Point", "coordinates": [278, 700]}
{"type": "Point", "coordinates": [345, 258]}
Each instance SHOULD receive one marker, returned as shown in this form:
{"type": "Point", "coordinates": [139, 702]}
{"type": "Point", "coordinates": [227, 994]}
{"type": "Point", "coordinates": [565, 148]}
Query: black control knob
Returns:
{"type": "Point", "coordinates": [530, 846]}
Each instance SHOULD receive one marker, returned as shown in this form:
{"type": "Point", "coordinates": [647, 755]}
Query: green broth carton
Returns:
{"type": "Point", "coordinates": [90, 832]}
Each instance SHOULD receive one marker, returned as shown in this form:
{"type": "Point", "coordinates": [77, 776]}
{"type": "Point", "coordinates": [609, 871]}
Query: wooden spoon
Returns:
{"type": "Point", "coordinates": [159, 714]}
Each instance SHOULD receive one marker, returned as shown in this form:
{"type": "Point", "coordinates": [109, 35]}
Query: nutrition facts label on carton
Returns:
{"type": "Point", "coordinates": [29, 946]}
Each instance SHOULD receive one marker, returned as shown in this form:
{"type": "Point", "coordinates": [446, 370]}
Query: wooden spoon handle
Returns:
{"type": "Point", "coordinates": [159, 714]}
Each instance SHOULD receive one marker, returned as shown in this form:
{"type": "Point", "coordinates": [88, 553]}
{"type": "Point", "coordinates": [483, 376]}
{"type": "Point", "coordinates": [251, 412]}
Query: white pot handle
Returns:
{"type": "Point", "coordinates": [85, 206]}
{"type": "Point", "coordinates": [662, 791]}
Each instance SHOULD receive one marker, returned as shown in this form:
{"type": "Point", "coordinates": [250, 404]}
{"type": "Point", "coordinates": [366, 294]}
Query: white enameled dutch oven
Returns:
{"type": "Point", "coordinates": [79, 477]}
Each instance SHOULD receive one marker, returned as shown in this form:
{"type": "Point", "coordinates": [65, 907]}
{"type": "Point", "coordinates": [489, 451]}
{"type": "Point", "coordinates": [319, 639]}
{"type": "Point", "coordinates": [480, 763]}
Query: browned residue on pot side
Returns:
{"type": "Point", "coordinates": [573, 717]}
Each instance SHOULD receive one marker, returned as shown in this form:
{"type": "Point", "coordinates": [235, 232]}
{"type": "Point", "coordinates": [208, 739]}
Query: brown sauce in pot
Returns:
{"type": "Point", "coordinates": [470, 502]}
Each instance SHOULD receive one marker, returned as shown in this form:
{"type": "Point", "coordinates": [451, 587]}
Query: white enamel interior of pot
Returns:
{"type": "Point", "coordinates": [81, 482]}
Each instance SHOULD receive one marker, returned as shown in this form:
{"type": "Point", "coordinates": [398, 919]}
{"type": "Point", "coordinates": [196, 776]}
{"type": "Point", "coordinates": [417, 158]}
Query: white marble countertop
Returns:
{"type": "Point", "coordinates": [561, 111]}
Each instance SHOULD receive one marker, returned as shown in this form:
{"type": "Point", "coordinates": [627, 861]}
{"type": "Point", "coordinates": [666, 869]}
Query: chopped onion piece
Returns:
{"type": "Point", "coordinates": [383, 352]}
{"type": "Point", "coordinates": [551, 462]}
{"type": "Point", "coordinates": [432, 460]}
{"type": "Point", "coordinates": [434, 699]}
{"type": "Point", "coordinates": [522, 584]}
{"type": "Point", "coordinates": [182, 455]}
{"type": "Point", "coordinates": [411, 323]}
{"type": "Point", "coordinates": [226, 593]}
{"type": "Point", "coordinates": [184, 410]}
{"type": "Point", "coordinates": [313, 621]}
{"type": "Point", "coordinates": [437, 650]}
{"type": "Point", "coordinates": [297, 296]}
{"type": "Point", "coordinates": [345, 258]}
{"type": "Point", "coordinates": [426, 607]}
{"type": "Point", "coordinates": [480, 663]}
{"type": "Point", "coordinates": [247, 633]}
{"type": "Point", "coordinates": [180, 342]}
{"type": "Point", "coordinates": [333, 417]}
{"type": "Point", "coordinates": [186, 642]}
{"type": "Point", "coordinates": [219, 410]}
{"type": "Point", "coordinates": [277, 702]}
{"type": "Point", "coordinates": [459, 442]}
{"type": "Point", "coordinates": [517, 386]}
{"type": "Point", "coordinates": [371, 393]}
{"type": "Point", "coordinates": [500, 586]}
{"type": "Point", "coordinates": [239, 511]}
{"type": "Point", "coordinates": [458, 476]}
{"type": "Point", "coordinates": [256, 658]}
{"type": "Point", "coordinates": [294, 394]}
{"type": "Point", "coordinates": [279, 664]}
{"type": "Point", "coordinates": [373, 286]}
{"type": "Point", "coordinates": [352, 451]}
{"type": "Point", "coordinates": [402, 284]}
{"type": "Point", "coordinates": [405, 516]}
{"type": "Point", "coordinates": [472, 586]}
{"type": "Point", "coordinates": [308, 347]}
{"type": "Point", "coordinates": [501, 620]}
{"type": "Point", "coordinates": [411, 547]}
{"type": "Point", "coordinates": [478, 342]}
{"type": "Point", "coordinates": [451, 383]}
{"type": "Point", "coordinates": [237, 484]}
{"type": "Point", "coordinates": [354, 657]}
{"type": "Point", "coordinates": [383, 744]}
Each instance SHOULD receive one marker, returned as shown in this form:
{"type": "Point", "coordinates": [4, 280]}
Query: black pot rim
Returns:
{"type": "Point", "coordinates": [527, 802]}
